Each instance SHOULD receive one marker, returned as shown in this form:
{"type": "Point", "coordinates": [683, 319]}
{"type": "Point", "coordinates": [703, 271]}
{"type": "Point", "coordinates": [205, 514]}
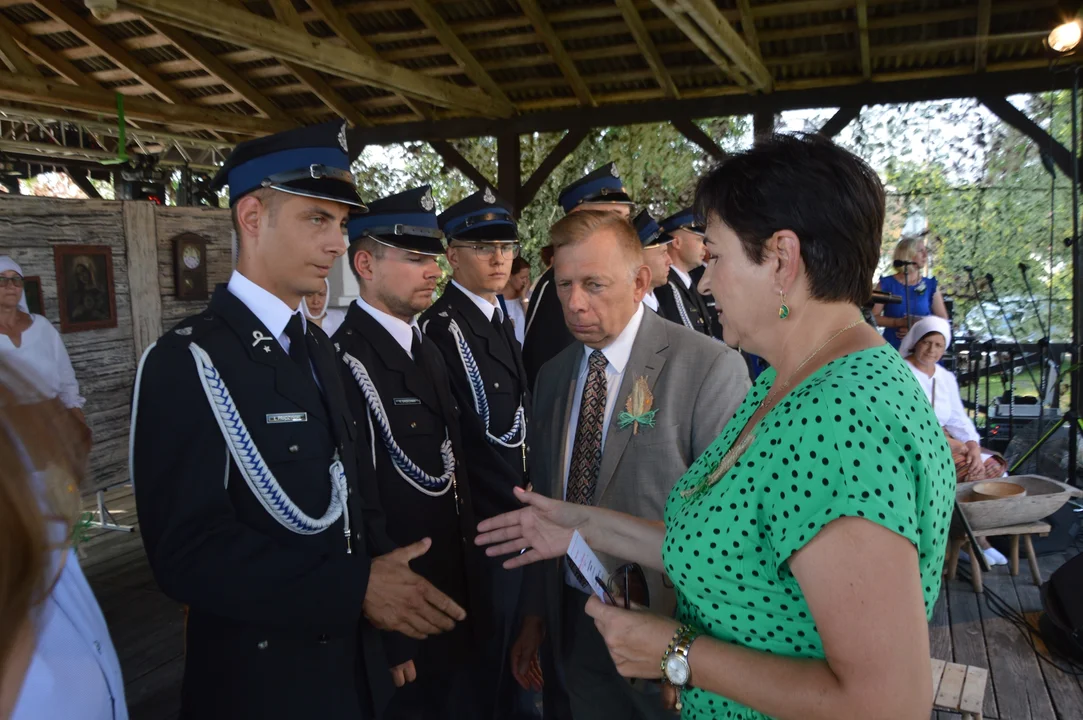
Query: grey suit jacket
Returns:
{"type": "Point", "coordinates": [698, 384]}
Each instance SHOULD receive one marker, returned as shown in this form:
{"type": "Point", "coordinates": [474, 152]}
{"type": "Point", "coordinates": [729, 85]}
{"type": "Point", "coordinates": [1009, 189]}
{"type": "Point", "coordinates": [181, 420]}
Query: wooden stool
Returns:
{"type": "Point", "coordinates": [1016, 532]}
{"type": "Point", "coordinates": [959, 688]}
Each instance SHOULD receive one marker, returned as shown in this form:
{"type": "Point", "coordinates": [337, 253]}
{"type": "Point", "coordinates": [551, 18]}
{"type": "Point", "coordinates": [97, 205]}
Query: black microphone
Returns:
{"type": "Point", "coordinates": [968, 268]}
{"type": "Point", "coordinates": [989, 278]}
{"type": "Point", "coordinates": [1023, 268]}
{"type": "Point", "coordinates": [902, 263]}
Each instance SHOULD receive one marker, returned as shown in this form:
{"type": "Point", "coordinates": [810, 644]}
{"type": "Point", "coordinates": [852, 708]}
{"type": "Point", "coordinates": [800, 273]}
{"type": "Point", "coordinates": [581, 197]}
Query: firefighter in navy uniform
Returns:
{"type": "Point", "coordinates": [245, 474]}
{"type": "Point", "coordinates": [397, 385]}
{"type": "Point", "coordinates": [679, 299]}
{"type": "Point", "coordinates": [655, 256]}
{"type": "Point", "coordinates": [546, 332]}
{"type": "Point", "coordinates": [473, 332]}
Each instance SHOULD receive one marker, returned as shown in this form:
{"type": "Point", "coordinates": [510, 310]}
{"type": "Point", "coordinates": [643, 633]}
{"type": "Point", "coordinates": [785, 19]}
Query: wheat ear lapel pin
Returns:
{"type": "Point", "coordinates": [637, 408]}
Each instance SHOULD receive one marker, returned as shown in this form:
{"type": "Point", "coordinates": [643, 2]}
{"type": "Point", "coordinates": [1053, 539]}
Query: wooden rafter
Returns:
{"type": "Point", "coordinates": [646, 45]}
{"type": "Point", "coordinates": [473, 69]}
{"type": "Point", "coordinates": [213, 19]}
{"type": "Point", "coordinates": [222, 72]}
{"type": "Point", "coordinates": [1015, 117]}
{"type": "Point", "coordinates": [981, 48]}
{"type": "Point", "coordinates": [13, 56]}
{"type": "Point", "coordinates": [41, 51]}
{"type": "Point", "coordinates": [716, 27]}
{"type": "Point", "coordinates": [456, 160]}
{"type": "Point", "coordinates": [53, 93]}
{"type": "Point", "coordinates": [567, 145]}
{"type": "Point", "coordinates": [748, 26]}
{"type": "Point", "coordinates": [692, 32]}
{"type": "Point", "coordinates": [863, 38]}
{"type": "Point", "coordinates": [696, 135]}
{"type": "Point", "coordinates": [509, 170]}
{"type": "Point", "coordinates": [843, 117]}
{"type": "Point", "coordinates": [95, 37]}
{"type": "Point", "coordinates": [340, 24]}
{"type": "Point", "coordinates": [556, 50]}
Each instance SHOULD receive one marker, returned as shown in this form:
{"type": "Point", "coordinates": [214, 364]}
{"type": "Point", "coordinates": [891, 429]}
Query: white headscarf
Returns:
{"type": "Point", "coordinates": [929, 324]}
{"type": "Point", "coordinates": [304, 303]}
{"type": "Point", "coordinates": [6, 263]}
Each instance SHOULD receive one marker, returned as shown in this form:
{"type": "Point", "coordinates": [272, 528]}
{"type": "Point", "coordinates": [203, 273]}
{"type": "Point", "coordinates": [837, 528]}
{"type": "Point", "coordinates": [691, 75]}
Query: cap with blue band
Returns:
{"type": "Point", "coordinates": [600, 186]}
{"type": "Point", "coordinates": [405, 220]}
{"type": "Point", "coordinates": [481, 217]}
{"type": "Point", "coordinates": [650, 232]}
{"type": "Point", "coordinates": [682, 220]}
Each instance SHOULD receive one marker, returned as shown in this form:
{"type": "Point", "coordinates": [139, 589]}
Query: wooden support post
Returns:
{"type": "Point", "coordinates": [1017, 119]}
{"type": "Point", "coordinates": [839, 120]}
{"type": "Point", "coordinates": [141, 243]}
{"type": "Point", "coordinates": [455, 159]}
{"type": "Point", "coordinates": [82, 181]}
{"type": "Point", "coordinates": [695, 134]}
{"type": "Point", "coordinates": [508, 170]}
{"type": "Point", "coordinates": [763, 124]}
{"type": "Point", "coordinates": [567, 145]}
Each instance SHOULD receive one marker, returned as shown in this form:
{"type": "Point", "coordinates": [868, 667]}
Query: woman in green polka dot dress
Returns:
{"type": "Point", "coordinates": [806, 543]}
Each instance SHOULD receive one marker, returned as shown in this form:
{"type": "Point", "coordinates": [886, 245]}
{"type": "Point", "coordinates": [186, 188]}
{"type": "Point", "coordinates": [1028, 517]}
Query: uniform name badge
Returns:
{"type": "Point", "coordinates": [281, 418]}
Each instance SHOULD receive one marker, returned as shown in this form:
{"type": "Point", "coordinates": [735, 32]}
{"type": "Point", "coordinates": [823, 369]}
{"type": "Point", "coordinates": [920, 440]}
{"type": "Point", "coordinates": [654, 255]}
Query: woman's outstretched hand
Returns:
{"type": "Point", "coordinates": [540, 531]}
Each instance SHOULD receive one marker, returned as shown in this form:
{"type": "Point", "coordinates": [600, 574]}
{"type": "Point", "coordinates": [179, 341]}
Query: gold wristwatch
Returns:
{"type": "Point", "coordinates": [675, 668]}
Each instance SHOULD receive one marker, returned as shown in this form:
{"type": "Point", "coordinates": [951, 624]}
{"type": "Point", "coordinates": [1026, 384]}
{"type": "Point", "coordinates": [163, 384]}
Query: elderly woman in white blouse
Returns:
{"type": "Point", "coordinates": [32, 346]}
{"type": "Point", "coordinates": [923, 347]}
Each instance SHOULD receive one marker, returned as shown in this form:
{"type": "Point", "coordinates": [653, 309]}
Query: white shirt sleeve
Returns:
{"type": "Point", "coordinates": [959, 423]}
{"type": "Point", "coordinates": [67, 385]}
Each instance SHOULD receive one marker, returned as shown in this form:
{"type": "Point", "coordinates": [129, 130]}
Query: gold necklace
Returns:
{"type": "Point", "coordinates": [806, 361]}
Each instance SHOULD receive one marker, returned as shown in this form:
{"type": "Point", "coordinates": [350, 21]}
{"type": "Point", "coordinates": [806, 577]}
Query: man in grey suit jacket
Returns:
{"type": "Point", "coordinates": [586, 447]}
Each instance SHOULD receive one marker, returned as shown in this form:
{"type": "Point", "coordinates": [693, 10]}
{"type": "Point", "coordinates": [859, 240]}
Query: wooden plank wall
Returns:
{"type": "Point", "coordinates": [105, 360]}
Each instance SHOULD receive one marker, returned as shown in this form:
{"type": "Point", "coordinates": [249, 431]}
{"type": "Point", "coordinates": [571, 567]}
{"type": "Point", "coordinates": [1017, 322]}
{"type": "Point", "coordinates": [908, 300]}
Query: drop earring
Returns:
{"type": "Point", "coordinates": [783, 308]}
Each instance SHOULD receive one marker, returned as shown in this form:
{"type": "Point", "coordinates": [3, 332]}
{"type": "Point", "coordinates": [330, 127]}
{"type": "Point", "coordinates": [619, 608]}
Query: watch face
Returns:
{"type": "Point", "coordinates": [190, 256]}
{"type": "Point", "coordinates": [676, 670]}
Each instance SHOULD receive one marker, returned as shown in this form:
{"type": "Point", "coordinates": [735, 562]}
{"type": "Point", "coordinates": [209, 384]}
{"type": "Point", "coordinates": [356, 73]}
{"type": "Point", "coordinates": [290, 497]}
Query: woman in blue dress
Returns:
{"type": "Point", "coordinates": [924, 294]}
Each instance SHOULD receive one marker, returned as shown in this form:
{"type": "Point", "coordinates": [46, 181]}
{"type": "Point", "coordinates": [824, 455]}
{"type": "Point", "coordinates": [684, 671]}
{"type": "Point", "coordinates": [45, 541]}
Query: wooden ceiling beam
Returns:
{"type": "Point", "coordinates": [843, 117]}
{"type": "Point", "coordinates": [14, 57]}
{"type": "Point", "coordinates": [95, 37]}
{"type": "Point", "coordinates": [473, 69]}
{"type": "Point", "coordinates": [557, 51]}
{"type": "Point", "coordinates": [453, 158]}
{"type": "Point", "coordinates": [567, 145]}
{"type": "Point", "coordinates": [981, 48]}
{"type": "Point", "coordinates": [646, 45]}
{"type": "Point", "coordinates": [696, 135]}
{"type": "Point", "coordinates": [60, 65]}
{"type": "Point", "coordinates": [342, 27]}
{"type": "Point", "coordinates": [748, 26]}
{"type": "Point", "coordinates": [53, 93]}
{"type": "Point", "coordinates": [219, 70]}
{"type": "Point", "coordinates": [716, 27]}
{"type": "Point", "coordinates": [693, 33]}
{"type": "Point", "coordinates": [863, 37]}
{"type": "Point", "coordinates": [249, 30]}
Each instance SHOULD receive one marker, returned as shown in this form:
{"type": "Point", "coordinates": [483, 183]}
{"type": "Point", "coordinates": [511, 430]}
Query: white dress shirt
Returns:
{"type": "Point", "coordinates": [943, 392]}
{"type": "Point", "coordinates": [651, 301]}
{"type": "Point", "coordinates": [685, 277]}
{"type": "Point", "coordinates": [486, 307]}
{"type": "Point", "coordinates": [268, 309]}
{"type": "Point", "coordinates": [518, 318]}
{"type": "Point", "coordinates": [402, 332]}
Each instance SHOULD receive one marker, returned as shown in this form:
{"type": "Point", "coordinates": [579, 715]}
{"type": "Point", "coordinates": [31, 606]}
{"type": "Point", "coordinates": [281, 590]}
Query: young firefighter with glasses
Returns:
{"type": "Point", "coordinates": [470, 326]}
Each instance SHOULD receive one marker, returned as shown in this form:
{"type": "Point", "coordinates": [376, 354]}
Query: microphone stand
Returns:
{"type": "Point", "coordinates": [1043, 345]}
{"type": "Point", "coordinates": [1011, 331]}
{"type": "Point", "coordinates": [989, 345]}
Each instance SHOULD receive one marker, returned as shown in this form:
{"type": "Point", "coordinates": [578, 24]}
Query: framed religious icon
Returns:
{"type": "Point", "coordinates": [84, 287]}
{"type": "Point", "coordinates": [35, 301]}
{"type": "Point", "coordinates": [190, 266]}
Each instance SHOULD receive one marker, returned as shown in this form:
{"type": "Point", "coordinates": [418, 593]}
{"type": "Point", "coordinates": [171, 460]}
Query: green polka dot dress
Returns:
{"type": "Point", "coordinates": [857, 438]}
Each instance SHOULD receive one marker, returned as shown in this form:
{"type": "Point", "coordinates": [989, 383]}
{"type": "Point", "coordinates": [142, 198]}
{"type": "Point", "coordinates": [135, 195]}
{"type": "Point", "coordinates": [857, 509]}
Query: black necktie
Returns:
{"type": "Point", "coordinates": [298, 346]}
{"type": "Point", "coordinates": [415, 346]}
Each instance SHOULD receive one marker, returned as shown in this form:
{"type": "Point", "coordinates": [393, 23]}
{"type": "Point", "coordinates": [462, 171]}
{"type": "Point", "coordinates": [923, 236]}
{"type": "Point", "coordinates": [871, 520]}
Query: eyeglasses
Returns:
{"type": "Point", "coordinates": [627, 587]}
{"type": "Point", "coordinates": [485, 251]}
{"type": "Point", "coordinates": [15, 281]}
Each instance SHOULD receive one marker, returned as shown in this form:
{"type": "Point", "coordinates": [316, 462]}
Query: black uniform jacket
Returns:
{"type": "Point", "coordinates": [708, 301]}
{"type": "Point", "coordinates": [546, 332]}
{"type": "Point", "coordinates": [494, 469]}
{"type": "Point", "coordinates": [673, 293]}
{"type": "Point", "coordinates": [422, 413]}
{"type": "Point", "coordinates": [275, 627]}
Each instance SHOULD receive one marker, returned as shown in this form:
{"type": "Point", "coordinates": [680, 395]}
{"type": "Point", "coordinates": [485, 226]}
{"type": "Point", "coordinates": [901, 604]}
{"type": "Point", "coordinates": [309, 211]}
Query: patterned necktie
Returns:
{"type": "Point", "coordinates": [587, 448]}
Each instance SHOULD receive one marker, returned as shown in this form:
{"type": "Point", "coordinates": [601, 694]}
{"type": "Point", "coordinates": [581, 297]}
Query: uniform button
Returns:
{"type": "Point", "coordinates": [294, 448]}
{"type": "Point", "coordinates": [413, 424]}
{"type": "Point", "coordinates": [262, 645]}
{"type": "Point", "coordinates": [322, 639]}
{"type": "Point", "coordinates": [496, 385]}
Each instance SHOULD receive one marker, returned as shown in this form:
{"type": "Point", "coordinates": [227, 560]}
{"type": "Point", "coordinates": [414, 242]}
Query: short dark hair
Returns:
{"type": "Point", "coordinates": [828, 196]}
{"type": "Point", "coordinates": [518, 265]}
{"type": "Point", "coordinates": [547, 255]}
{"type": "Point", "coordinates": [367, 243]}
{"type": "Point", "coordinates": [270, 198]}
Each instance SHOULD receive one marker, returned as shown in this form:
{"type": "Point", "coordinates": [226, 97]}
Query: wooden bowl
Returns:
{"type": "Point", "coordinates": [1044, 497]}
{"type": "Point", "coordinates": [997, 490]}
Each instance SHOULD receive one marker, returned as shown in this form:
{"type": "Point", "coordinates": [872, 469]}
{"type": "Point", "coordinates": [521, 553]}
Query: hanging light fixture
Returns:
{"type": "Point", "coordinates": [1064, 38]}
